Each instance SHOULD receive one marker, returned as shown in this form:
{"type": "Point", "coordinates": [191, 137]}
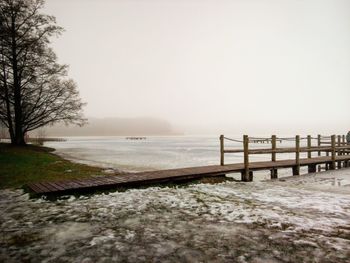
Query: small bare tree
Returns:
{"type": "Point", "coordinates": [34, 88]}
{"type": "Point", "coordinates": [41, 135]}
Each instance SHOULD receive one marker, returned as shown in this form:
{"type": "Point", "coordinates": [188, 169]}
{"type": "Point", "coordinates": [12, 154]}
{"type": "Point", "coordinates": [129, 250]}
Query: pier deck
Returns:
{"type": "Point", "coordinates": [171, 175]}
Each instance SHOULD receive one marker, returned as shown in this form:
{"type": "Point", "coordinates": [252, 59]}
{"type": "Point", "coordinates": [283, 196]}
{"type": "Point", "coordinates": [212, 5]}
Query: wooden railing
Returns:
{"type": "Point", "coordinates": [335, 145]}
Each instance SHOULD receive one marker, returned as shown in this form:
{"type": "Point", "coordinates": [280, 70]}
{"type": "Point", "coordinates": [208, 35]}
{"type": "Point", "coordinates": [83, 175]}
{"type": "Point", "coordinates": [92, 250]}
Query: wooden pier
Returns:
{"type": "Point", "coordinates": [135, 138]}
{"type": "Point", "coordinates": [336, 155]}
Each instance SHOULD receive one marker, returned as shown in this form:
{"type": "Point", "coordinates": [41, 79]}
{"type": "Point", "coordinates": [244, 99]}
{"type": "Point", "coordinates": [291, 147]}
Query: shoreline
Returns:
{"type": "Point", "coordinates": [75, 167]}
{"type": "Point", "coordinates": [22, 165]}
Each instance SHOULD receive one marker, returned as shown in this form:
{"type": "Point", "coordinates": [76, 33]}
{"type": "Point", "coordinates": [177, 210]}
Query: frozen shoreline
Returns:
{"type": "Point", "coordinates": [155, 153]}
{"type": "Point", "coordinates": [296, 219]}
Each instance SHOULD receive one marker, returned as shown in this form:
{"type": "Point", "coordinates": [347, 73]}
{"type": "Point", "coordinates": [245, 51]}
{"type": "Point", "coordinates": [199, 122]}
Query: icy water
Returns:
{"type": "Point", "coordinates": [139, 155]}
{"type": "Point", "coordinates": [299, 219]}
{"type": "Point", "coordinates": [156, 153]}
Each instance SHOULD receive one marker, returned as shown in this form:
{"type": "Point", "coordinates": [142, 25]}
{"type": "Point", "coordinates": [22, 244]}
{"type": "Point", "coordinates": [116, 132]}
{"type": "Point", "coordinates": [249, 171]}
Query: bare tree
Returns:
{"type": "Point", "coordinates": [40, 136]}
{"type": "Point", "coordinates": [34, 88]}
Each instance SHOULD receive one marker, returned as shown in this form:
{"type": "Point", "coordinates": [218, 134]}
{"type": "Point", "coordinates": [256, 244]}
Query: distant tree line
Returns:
{"type": "Point", "coordinates": [34, 89]}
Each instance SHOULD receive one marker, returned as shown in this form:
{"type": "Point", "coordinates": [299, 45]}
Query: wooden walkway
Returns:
{"type": "Point", "coordinates": [173, 175]}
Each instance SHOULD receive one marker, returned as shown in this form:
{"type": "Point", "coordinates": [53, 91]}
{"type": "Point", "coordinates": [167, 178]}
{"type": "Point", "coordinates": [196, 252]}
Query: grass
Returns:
{"type": "Point", "coordinates": [29, 164]}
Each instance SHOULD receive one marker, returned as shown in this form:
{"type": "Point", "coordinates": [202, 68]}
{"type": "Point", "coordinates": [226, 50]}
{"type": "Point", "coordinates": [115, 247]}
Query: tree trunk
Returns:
{"type": "Point", "coordinates": [19, 134]}
{"type": "Point", "coordinates": [12, 136]}
{"type": "Point", "coordinates": [9, 119]}
{"type": "Point", "coordinates": [18, 139]}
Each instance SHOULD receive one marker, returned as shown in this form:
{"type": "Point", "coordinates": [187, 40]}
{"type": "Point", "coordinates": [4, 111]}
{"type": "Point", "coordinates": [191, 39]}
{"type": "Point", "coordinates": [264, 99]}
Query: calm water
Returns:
{"type": "Point", "coordinates": [154, 152]}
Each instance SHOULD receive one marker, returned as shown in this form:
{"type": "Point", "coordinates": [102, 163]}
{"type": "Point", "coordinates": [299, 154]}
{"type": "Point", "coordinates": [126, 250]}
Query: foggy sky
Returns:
{"type": "Point", "coordinates": [211, 66]}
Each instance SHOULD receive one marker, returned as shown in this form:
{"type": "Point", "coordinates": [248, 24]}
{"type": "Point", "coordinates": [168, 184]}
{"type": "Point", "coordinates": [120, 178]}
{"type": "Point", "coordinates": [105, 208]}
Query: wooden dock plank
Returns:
{"type": "Point", "coordinates": [58, 185]}
{"type": "Point", "coordinates": [87, 182]}
{"type": "Point", "coordinates": [34, 187]}
{"type": "Point", "coordinates": [45, 188]}
{"type": "Point", "coordinates": [53, 186]}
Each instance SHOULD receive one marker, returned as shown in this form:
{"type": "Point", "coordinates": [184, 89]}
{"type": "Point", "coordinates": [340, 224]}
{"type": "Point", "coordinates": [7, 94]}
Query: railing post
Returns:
{"type": "Point", "coordinates": [296, 168]}
{"type": "Point", "coordinates": [327, 166]}
{"type": "Point", "coordinates": [345, 143]}
{"type": "Point", "coordinates": [345, 163]}
{"type": "Point", "coordinates": [319, 152]}
{"type": "Point", "coordinates": [222, 151]}
{"type": "Point", "coordinates": [309, 146]}
{"type": "Point", "coordinates": [273, 145]}
{"type": "Point", "coordinates": [327, 152]}
{"type": "Point", "coordinates": [246, 174]}
{"type": "Point", "coordinates": [332, 166]}
{"type": "Point", "coordinates": [274, 173]}
{"type": "Point", "coordinates": [339, 151]}
{"type": "Point", "coordinates": [311, 167]}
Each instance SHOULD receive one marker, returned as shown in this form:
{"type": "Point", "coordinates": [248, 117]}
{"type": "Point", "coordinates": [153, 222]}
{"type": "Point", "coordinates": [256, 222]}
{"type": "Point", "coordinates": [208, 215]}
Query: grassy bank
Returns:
{"type": "Point", "coordinates": [22, 165]}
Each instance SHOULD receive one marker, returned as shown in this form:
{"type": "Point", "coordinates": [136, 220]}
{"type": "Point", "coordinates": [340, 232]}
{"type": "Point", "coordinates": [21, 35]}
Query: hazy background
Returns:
{"type": "Point", "coordinates": [211, 66]}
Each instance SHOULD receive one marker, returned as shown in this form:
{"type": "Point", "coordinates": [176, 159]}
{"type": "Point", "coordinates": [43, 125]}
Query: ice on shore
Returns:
{"type": "Point", "coordinates": [297, 219]}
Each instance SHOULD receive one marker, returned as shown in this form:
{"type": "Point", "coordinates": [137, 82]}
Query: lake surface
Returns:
{"type": "Point", "coordinates": [157, 152]}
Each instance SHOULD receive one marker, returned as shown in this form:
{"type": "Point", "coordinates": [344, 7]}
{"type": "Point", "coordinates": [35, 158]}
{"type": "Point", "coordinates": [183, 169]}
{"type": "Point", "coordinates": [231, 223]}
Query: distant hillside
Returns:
{"type": "Point", "coordinates": [114, 127]}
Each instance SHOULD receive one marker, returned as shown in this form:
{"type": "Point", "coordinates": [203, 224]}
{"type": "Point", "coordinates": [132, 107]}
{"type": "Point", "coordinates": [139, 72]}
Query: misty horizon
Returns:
{"type": "Point", "coordinates": [211, 67]}
{"type": "Point", "coordinates": [149, 126]}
